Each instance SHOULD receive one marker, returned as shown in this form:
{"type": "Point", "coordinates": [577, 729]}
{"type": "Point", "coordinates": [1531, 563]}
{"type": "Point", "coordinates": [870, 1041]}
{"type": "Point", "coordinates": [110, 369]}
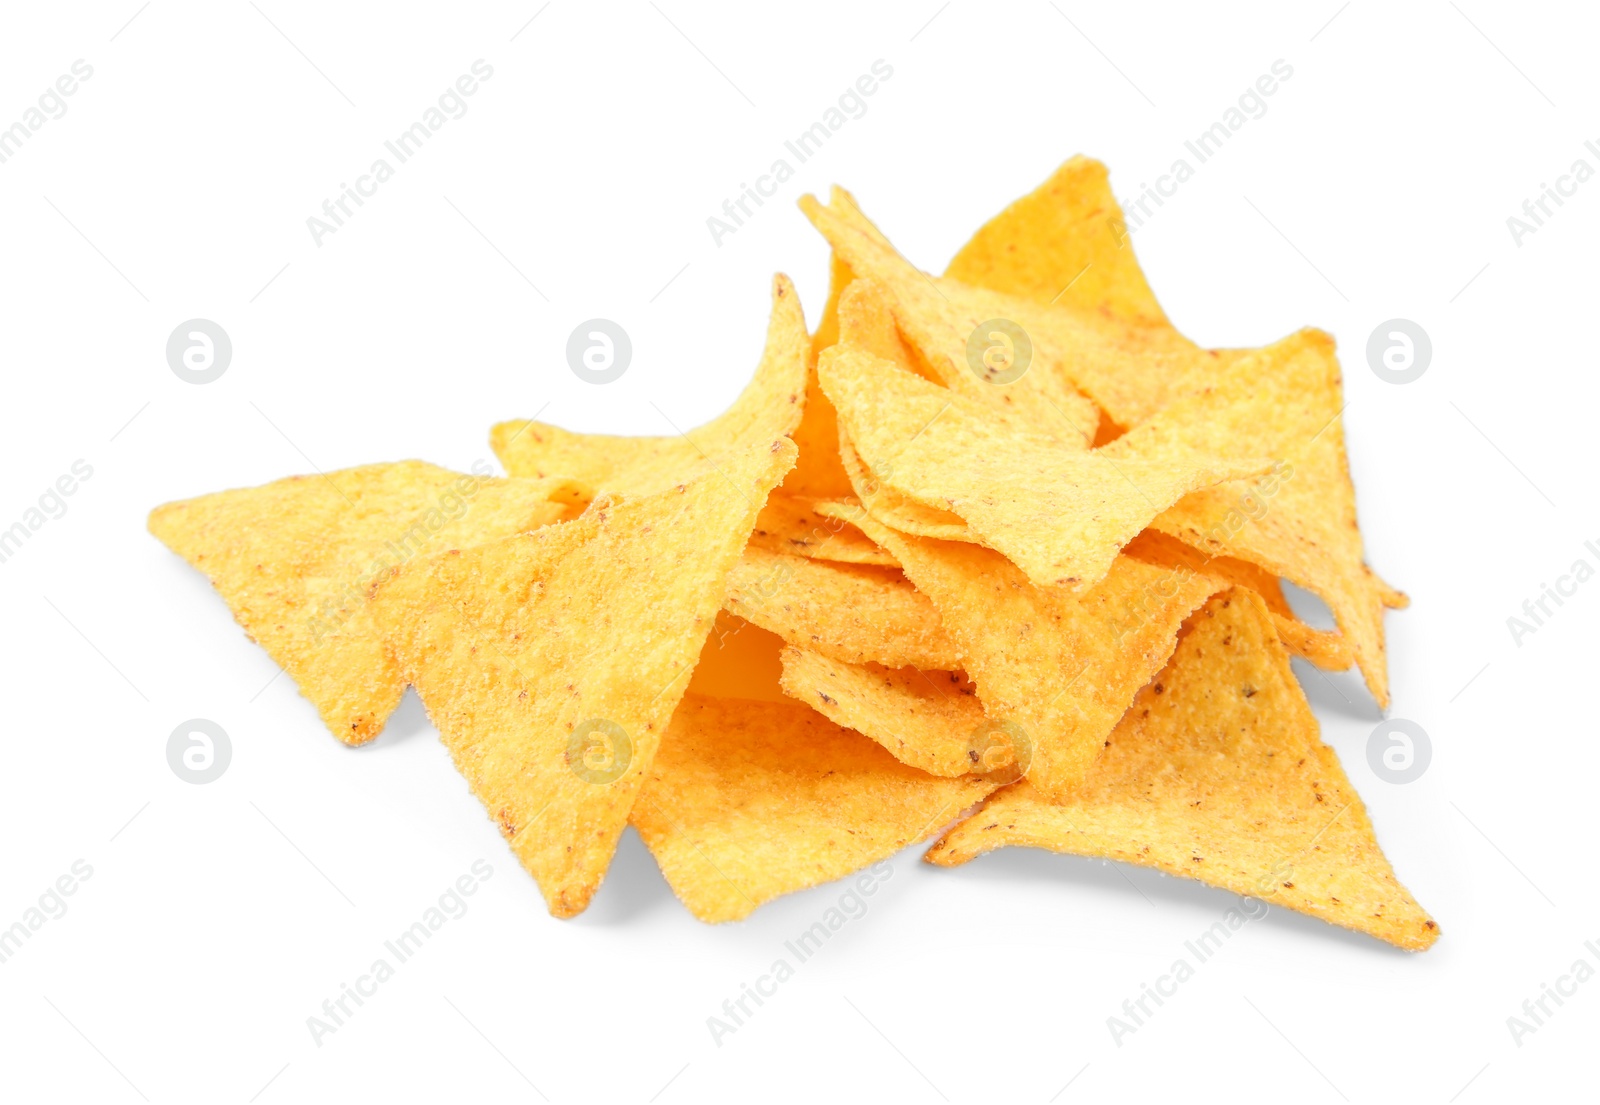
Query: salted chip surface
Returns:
{"type": "Point", "coordinates": [940, 319]}
{"type": "Point", "coordinates": [1328, 650]}
{"type": "Point", "coordinates": [791, 525]}
{"type": "Point", "coordinates": [293, 560]}
{"type": "Point", "coordinates": [855, 613]}
{"type": "Point", "coordinates": [1066, 242]}
{"type": "Point", "coordinates": [748, 801]}
{"type": "Point", "coordinates": [1298, 522]}
{"type": "Point", "coordinates": [1060, 514]}
{"type": "Point", "coordinates": [1218, 774]}
{"type": "Point", "coordinates": [551, 661]}
{"type": "Point", "coordinates": [769, 407]}
{"type": "Point", "coordinates": [1060, 665]}
{"type": "Point", "coordinates": [930, 720]}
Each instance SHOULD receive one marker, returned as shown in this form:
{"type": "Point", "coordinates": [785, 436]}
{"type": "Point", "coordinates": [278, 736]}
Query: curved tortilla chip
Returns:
{"type": "Point", "coordinates": [747, 801]}
{"type": "Point", "coordinates": [1063, 666]}
{"type": "Point", "coordinates": [1060, 514]}
{"type": "Point", "coordinates": [926, 719]}
{"type": "Point", "coordinates": [294, 559]}
{"type": "Point", "coordinates": [851, 613]}
{"type": "Point", "coordinates": [1283, 401]}
{"type": "Point", "coordinates": [769, 407]}
{"type": "Point", "coordinates": [1218, 774]}
{"type": "Point", "coordinates": [551, 662]}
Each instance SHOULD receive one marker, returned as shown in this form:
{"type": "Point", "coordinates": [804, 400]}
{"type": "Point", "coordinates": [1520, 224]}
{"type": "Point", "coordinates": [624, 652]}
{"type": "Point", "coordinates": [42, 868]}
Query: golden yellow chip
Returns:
{"type": "Point", "coordinates": [850, 612]}
{"type": "Point", "coordinates": [1329, 651]}
{"type": "Point", "coordinates": [1061, 666]}
{"type": "Point", "coordinates": [790, 525]}
{"type": "Point", "coordinates": [294, 559]}
{"type": "Point", "coordinates": [950, 327]}
{"type": "Point", "coordinates": [747, 801]}
{"type": "Point", "coordinates": [1299, 522]}
{"type": "Point", "coordinates": [1063, 243]}
{"type": "Point", "coordinates": [1218, 774]}
{"type": "Point", "coordinates": [930, 720]}
{"type": "Point", "coordinates": [770, 407]}
{"type": "Point", "coordinates": [551, 662]}
{"type": "Point", "coordinates": [1059, 514]}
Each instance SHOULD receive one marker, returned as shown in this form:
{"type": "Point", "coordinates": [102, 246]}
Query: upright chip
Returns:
{"type": "Point", "coordinates": [293, 560]}
{"type": "Point", "coordinates": [551, 662]}
{"type": "Point", "coordinates": [746, 801]}
{"type": "Point", "coordinates": [1218, 774]}
{"type": "Point", "coordinates": [770, 407]}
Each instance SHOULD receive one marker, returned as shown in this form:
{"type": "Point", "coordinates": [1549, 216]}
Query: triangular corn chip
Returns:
{"type": "Point", "coordinates": [551, 662]}
{"type": "Point", "coordinates": [1059, 514]}
{"type": "Point", "coordinates": [768, 408]}
{"type": "Point", "coordinates": [930, 720]}
{"type": "Point", "coordinates": [1061, 665]}
{"type": "Point", "coordinates": [1065, 242]}
{"type": "Point", "coordinates": [941, 319]}
{"type": "Point", "coordinates": [293, 560]}
{"type": "Point", "coordinates": [852, 613]}
{"type": "Point", "coordinates": [747, 801]}
{"type": "Point", "coordinates": [790, 525]}
{"type": "Point", "coordinates": [1218, 774]}
{"type": "Point", "coordinates": [1284, 401]}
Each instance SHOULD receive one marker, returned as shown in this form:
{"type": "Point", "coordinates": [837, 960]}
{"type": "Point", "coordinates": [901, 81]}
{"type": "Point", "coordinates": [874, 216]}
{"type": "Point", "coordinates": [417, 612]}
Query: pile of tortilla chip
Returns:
{"type": "Point", "coordinates": [993, 557]}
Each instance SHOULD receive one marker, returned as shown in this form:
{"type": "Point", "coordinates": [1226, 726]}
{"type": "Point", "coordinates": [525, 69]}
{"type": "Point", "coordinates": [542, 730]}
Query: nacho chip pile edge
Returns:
{"type": "Point", "coordinates": [992, 558]}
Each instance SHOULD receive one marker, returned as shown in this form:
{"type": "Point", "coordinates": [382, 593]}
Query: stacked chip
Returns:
{"type": "Point", "coordinates": [993, 557]}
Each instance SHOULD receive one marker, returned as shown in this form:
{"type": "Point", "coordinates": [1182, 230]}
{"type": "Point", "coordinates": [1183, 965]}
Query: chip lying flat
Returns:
{"type": "Point", "coordinates": [769, 408]}
{"type": "Point", "coordinates": [1059, 514]}
{"type": "Point", "coordinates": [851, 613]}
{"type": "Point", "coordinates": [790, 525]}
{"type": "Point", "coordinates": [1284, 401]}
{"type": "Point", "coordinates": [293, 560]}
{"type": "Point", "coordinates": [747, 801]}
{"type": "Point", "coordinates": [940, 319]}
{"type": "Point", "coordinates": [1062, 666]}
{"type": "Point", "coordinates": [1218, 774]}
{"type": "Point", "coordinates": [930, 720]}
{"type": "Point", "coordinates": [551, 661]}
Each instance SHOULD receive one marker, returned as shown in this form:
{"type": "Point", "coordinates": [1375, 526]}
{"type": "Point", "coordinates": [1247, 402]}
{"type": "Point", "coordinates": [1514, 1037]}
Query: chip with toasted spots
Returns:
{"type": "Point", "coordinates": [770, 407]}
{"type": "Point", "coordinates": [790, 525]}
{"type": "Point", "coordinates": [748, 801]}
{"type": "Point", "coordinates": [1299, 521]}
{"type": "Point", "coordinates": [855, 613]}
{"type": "Point", "coordinates": [1218, 773]}
{"type": "Point", "coordinates": [293, 560]}
{"type": "Point", "coordinates": [551, 661]}
{"type": "Point", "coordinates": [1062, 665]}
{"type": "Point", "coordinates": [927, 719]}
{"type": "Point", "coordinates": [1059, 514]}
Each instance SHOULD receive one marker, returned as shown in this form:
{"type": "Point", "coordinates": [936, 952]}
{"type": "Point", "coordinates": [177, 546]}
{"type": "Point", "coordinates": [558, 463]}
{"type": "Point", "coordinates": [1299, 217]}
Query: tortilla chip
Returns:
{"type": "Point", "coordinates": [1328, 651]}
{"type": "Point", "coordinates": [293, 560]}
{"type": "Point", "coordinates": [1299, 523]}
{"type": "Point", "coordinates": [770, 407]}
{"type": "Point", "coordinates": [1064, 243]}
{"type": "Point", "coordinates": [1064, 666]}
{"type": "Point", "coordinates": [551, 662]}
{"type": "Point", "coordinates": [1218, 774]}
{"type": "Point", "coordinates": [790, 525]}
{"type": "Point", "coordinates": [747, 801]}
{"type": "Point", "coordinates": [939, 318]}
{"type": "Point", "coordinates": [852, 613]}
{"type": "Point", "coordinates": [1060, 514]}
{"type": "Point", "coordinates": [926, 719]}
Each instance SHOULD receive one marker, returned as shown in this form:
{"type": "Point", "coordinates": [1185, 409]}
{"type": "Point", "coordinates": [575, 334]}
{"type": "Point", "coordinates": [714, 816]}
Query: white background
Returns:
{"type": "Point", "coordinates": [219, 917]}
